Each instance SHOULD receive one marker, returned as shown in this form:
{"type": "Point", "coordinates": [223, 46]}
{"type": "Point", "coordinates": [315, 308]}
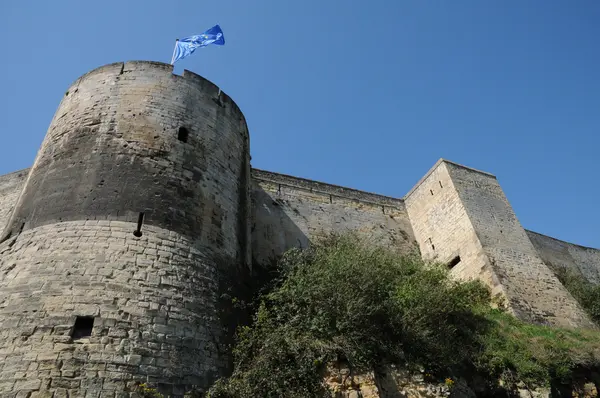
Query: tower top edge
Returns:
{"type": "Point", "coordinates": [438, 164]}
{"type": "Point", "coordinates": [159, 69]}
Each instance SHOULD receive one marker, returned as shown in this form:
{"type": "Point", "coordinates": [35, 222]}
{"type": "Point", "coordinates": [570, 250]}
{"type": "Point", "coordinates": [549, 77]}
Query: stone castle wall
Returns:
{"type": "Point", "coordinates": [290, 212]}
{"type": "Point", "coordinates": [142, 198]}
{"type": "Point", "coordinates": [443, 229]}
{"type": "Point", "coordinates": [559, 254]}
{"type": "Point", "coordinates": [10, 188]}
{"type": "Point", "coordinates": [463, 213]}
{"type": "Point", "coordinates": [153, 300]}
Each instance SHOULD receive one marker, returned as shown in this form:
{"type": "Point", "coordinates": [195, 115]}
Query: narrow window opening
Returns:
{"type": "Point", "coordinates": [138, 231]}
{"type": "Point", "coordinates": [431, 243]}
{"type": "Point", "coordinates": [83, 327]}
{"type": "Point", "coordinates": [431, 190]}
{"type": "Point", "coordinates": [454, 262]}
{"type": "Point", "coordinates": [441, 186]}
{"type": "Point", "coordinates": [182, 134]}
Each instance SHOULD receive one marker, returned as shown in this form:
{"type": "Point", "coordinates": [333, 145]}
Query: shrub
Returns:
{"type": "Point", "coordinates": [586, 293]}
{"type": "Point", "coordinates": [342, 300]}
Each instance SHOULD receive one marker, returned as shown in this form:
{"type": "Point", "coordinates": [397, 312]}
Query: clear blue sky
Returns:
{"type": "Point", "coordinates": [363, 94]}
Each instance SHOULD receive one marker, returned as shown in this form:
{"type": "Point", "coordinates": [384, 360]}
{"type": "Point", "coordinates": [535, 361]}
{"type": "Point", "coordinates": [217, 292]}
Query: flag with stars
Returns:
{"type": "Point", "coordinates": [188, 45]}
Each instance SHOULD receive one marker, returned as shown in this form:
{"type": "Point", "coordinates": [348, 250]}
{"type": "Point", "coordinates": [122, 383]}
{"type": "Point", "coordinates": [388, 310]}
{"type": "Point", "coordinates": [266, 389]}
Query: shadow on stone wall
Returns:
{"type": "Point", "coordinates": [273, 230]}
{"type": "Point", "coordinates": [239, 285]}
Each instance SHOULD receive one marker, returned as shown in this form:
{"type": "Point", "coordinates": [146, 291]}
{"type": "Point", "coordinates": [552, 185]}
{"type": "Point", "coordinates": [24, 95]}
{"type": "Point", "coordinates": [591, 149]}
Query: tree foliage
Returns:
{"type": "Point", "coordinates": [586, 293]}
{"type": "Point", "coordinates": [343, 300]}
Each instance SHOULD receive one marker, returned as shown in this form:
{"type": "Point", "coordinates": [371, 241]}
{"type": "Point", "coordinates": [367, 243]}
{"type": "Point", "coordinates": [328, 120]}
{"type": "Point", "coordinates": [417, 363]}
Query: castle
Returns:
{"type": "Point", "coordinates": [142, 194]}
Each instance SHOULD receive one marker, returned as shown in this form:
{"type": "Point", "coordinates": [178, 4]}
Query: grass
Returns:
{"type": "Point", "coordinates": [536, 355]}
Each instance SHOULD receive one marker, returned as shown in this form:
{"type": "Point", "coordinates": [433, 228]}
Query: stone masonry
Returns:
{"type": "Point", "coordinates": [461, 217]}
{"type": "Point", "coordinates": [141, 207]}
{"type": "Point", "coordinates": [135, 210]}
{"type": "Point", "coordinates": [152, 298]}
{"type": "Point", "coordinates": [10, 188]}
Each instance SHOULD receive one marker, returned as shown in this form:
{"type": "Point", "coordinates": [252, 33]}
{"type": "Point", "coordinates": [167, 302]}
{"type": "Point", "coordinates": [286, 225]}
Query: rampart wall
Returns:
{"type": "Point", "coordinates": [290, 212]}
{"type": "Point", "coordinates": [560, 254]}
{"type": "Point", "coordinates": [10, 188]}
{"type": "Point", "coordinates": [313, 207]}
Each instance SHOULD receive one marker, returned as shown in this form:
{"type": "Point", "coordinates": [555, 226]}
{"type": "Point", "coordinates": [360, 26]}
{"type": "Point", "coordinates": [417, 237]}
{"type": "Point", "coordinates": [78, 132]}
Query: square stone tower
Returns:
{"type": "Point", "coordinates": [461, 217]}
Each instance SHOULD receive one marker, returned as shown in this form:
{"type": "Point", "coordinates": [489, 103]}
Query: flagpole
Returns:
{"type": "Point", "coordinates": [174, 49]}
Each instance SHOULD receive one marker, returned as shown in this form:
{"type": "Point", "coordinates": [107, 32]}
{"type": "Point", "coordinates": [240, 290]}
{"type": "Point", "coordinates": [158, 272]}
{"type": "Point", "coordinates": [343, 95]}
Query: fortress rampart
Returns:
{"type": "Point", "coordinates": [142, 195]}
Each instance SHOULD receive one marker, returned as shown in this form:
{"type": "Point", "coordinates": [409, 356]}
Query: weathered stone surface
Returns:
{"type": "Point", "coordinates": [10, 188]}
{"type": "Point", "coordinates": [124, 341]}
{"type": "Point", "coordinates": [461, 216]}
{"type": "Point", "coordinates": [290, 212]}
{"type": "Point", "coordinates": [116, 150]}
{"type": "Point", "coordinates": [392, 382]}
{"type": "Point", "coordinates": [113, 151]}
{"type": "Point", "coordinates": [558, 254]}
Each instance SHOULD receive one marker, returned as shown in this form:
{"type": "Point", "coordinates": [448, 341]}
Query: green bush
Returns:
{"type": "Point", "coordinates": [586, 293]}
{"type": "Point", "coordinates": [342, 300]}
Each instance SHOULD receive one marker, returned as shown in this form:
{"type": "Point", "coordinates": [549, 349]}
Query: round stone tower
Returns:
{"type": "Point", "coordinates": [110, 264]}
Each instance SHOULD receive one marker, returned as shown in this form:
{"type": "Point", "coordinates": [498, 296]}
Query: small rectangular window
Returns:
{"type": "Point", "coordinates": [83, 327]}
{"type": "Point", "coordinates": [454, 262]}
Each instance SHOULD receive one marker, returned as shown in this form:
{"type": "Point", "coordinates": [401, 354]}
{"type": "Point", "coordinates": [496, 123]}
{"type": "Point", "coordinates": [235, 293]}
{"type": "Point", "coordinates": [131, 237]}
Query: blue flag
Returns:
{"type": "Point", "coordinates": [188, 45]}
